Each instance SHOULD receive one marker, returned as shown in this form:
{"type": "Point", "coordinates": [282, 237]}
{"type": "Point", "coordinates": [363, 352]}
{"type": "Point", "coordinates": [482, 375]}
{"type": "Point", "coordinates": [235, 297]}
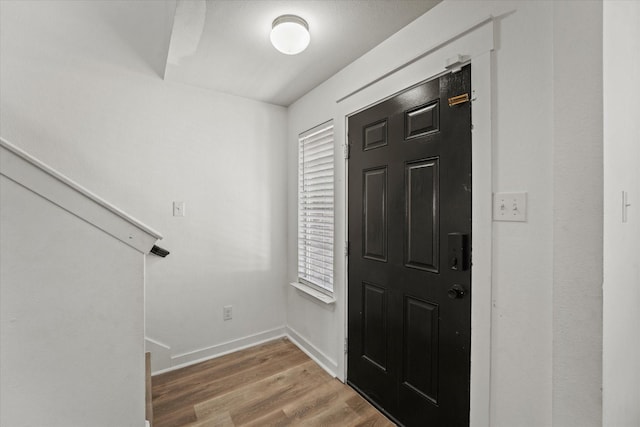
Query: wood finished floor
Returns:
{"type": "Point", "coordinates": [273, 384]}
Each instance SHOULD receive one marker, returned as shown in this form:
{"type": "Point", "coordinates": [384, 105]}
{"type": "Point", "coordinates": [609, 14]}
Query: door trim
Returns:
{"type": "Point", "coordinates": [477, 46]}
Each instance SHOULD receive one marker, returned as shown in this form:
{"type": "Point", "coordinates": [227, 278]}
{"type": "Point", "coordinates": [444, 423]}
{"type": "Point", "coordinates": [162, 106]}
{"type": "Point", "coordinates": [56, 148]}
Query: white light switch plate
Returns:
{"type": "Point", "coordinates": [510, 207]}
{"type": "Point", "coordinates": [178, 209]}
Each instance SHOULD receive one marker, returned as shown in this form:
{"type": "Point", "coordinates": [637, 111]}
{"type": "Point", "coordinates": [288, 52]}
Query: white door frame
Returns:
{"type": "Point", "coordinates": [473, 45]}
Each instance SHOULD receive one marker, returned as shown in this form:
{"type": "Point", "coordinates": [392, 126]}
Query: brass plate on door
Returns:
{"type": "Point", "coordinates": [460, 99]}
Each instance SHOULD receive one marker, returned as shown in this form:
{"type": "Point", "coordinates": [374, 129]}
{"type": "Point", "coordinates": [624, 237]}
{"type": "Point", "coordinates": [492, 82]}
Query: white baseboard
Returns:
{"type": "Point", "coordinates": [160, 354]}
{"type": "Point", "coordinates": [201, 355]}
{"type": "Point", "coordinates": [190, 358]}
{"type": "Point", "coordinates": [325, 362]}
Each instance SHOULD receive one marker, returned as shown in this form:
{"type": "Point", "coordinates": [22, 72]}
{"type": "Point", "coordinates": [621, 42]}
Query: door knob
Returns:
{"type": "Point", "coordinates": [456, 291]}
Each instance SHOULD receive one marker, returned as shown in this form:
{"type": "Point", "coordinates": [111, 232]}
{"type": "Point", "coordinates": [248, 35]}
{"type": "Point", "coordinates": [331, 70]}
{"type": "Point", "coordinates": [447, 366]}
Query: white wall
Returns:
{"type": "Point", "coordinates": [528, 387]}
{"type": "Point", "coordinates": [72, 338]}
{"type": "Point", "coordinates": [81, 91]}
{"type": "Point", "coordinates": [577, 213]}
{"type": "Point", "coordinates": [621, 371]}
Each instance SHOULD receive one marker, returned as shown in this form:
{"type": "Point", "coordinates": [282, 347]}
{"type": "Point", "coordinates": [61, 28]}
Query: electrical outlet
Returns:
{"type": "Point", "coordinates": [510, 207]}
{"type": "Point", "coordinates": [227, 312]}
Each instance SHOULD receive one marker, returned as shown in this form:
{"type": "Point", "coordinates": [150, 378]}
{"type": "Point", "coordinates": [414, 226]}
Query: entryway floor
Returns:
{"type": "Point", "coordinates": [273, 384]}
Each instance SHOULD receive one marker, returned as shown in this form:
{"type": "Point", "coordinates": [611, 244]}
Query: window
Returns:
{"type": "Point", "coordinates": [315, 207]}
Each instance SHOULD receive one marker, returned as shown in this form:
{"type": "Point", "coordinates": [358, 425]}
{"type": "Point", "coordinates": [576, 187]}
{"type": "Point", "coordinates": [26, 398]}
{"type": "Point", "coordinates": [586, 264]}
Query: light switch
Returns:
{"type": "Point", "coordinates": [510, 207]}
{"type": "Point", "coordinates": [178, 209]}
{"type": "Point", "coordinates": [625, 206]}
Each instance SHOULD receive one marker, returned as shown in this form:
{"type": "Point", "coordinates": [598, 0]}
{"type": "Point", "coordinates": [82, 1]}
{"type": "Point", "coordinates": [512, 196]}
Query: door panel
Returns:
{"type": "Point", "coordinates": [422, 120]}
{"type": "Point", "coordinates": [374, 214]}
{"type": "Point", "coordinates": [409, 188]}
{"type": "Point", "coordinates": [422, 218]}
{"type": "Point", "coordinates": [375, 135]}
{"type": "Point", "coordinates": [420, 348]}
{"type": "Point", "coordinates": [374, 324]}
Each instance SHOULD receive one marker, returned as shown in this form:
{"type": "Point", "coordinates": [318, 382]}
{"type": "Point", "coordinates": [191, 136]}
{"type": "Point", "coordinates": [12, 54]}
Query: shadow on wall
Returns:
{"type": "Point", "coordinates": [150, 41]}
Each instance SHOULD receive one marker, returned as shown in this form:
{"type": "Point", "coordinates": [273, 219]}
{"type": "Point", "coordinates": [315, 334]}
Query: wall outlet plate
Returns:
{"type": "Point", "coordinates": [510, 207]}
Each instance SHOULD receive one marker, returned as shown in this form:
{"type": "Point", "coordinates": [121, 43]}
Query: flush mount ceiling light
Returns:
{"type": "Point", "coordinates": [290, 34]}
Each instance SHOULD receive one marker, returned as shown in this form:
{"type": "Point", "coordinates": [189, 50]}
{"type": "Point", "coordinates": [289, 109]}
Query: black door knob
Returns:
{"type": "Point", "coordinates": [456, 291]}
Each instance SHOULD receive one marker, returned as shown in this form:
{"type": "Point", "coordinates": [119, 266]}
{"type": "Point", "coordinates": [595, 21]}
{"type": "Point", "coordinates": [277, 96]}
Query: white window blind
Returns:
{"type": "Point", "coordinates": [315, 207]}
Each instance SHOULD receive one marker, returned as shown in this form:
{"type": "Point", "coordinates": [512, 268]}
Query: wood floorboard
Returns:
{"type": "Point", "coordinates": [228, 362]}
{"type": "Point", "coordinates": [308, 405]}
{"type": "Point", "coordinates": [261, 394]}
{"type": "Point", "coordinates": [273, 384]}
{"type": "Point", "coordinates": [212, 383]}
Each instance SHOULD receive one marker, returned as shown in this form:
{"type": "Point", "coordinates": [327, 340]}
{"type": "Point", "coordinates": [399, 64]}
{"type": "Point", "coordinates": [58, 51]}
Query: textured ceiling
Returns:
{"type": "Point", "coordinates": [224, 45]}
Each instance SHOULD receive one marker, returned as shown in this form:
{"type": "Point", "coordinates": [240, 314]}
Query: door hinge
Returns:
{"type": "Point", "coordinates": [347, 151]}
{"type": "Point", "coordinates": [346, 345]}
{"type": "Point", "coordinates": [346, 248]}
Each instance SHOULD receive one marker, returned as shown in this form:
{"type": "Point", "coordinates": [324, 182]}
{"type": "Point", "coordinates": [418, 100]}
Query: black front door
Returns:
{"type": "Point", "coordinates": [409, 310]}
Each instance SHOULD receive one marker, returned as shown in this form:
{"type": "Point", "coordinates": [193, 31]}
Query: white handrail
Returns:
{"type": "Point", "coordinates": [60, 177]}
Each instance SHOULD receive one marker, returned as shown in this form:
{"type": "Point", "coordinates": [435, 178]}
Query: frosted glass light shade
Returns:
{"type": "Point", "coordinates": [290, 34]}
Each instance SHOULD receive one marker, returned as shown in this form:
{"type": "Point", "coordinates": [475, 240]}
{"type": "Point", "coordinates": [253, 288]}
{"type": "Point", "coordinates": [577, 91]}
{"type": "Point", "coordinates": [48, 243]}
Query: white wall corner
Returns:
{"type": "Point", "coordinates": [162, 361]}
{"type": "Point", "coordinates": [325, 362]}
{"type": "Point", "coordinates": [160, 354]}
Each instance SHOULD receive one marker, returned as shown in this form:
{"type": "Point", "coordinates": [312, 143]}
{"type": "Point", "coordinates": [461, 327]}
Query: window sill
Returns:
{"type": "Point", "coordinates": [314, 293]}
